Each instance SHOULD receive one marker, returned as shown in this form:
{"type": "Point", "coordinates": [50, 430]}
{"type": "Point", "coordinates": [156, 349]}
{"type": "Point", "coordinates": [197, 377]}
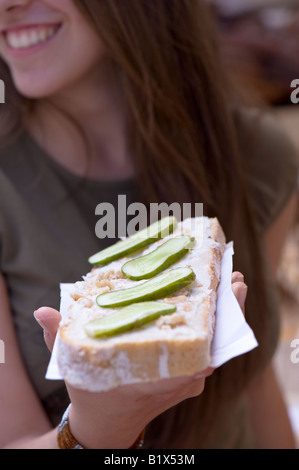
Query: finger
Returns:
{"type": "Point", "coordinates": [189, 387]}
{"type": "Point", "coordinates": [205, 373]}
{"type": "Point", "coordinates": [195, 389]}
{"type": "Point", "coordinates": [237, 277]}
{"type": "Point", "coordinates": [49, 319]}
{"type": "Point", "coordinates": [240, 291]}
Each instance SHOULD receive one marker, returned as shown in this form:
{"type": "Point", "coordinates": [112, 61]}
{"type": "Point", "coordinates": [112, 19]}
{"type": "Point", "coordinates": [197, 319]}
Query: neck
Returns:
{"type": "Point", "coordinates": [95, 110]}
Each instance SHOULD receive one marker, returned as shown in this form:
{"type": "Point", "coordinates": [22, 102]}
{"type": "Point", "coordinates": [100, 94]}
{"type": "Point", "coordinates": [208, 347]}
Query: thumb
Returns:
{"type": "Point", "coordinates": [49, 319]}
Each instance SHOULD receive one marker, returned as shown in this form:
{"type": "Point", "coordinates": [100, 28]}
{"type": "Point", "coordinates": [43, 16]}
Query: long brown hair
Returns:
{"type": "Point", "coordinates": [185, 148]}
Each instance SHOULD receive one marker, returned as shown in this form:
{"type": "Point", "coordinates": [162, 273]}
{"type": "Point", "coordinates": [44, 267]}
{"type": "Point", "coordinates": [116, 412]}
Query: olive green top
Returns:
{"type": "Point", "coordinates": [47, 233]}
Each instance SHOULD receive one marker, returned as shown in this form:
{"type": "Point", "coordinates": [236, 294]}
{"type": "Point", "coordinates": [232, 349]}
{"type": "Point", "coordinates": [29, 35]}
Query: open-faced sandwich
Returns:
{"type": "Point", "coordinates": [146, 310]}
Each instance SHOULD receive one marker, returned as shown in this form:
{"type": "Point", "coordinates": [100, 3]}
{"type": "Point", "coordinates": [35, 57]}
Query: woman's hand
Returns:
{"type": "Point", "coordinates": [114, 419]}
{"type": "Point", "coordinates": [239, 288]}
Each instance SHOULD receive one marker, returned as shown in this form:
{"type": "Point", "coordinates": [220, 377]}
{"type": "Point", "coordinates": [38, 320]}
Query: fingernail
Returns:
{"type": "Point", "coordinates": [238, 277]}
{"type": "Point", "coordinates": [35, 314]}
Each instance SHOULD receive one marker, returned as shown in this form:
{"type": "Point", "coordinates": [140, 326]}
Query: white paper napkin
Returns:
{"type": "Point", "coordinates": [232, 336]}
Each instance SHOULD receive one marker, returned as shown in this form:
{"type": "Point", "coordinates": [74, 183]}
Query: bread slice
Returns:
{"type": "Point", "coordinates": [174, 345]}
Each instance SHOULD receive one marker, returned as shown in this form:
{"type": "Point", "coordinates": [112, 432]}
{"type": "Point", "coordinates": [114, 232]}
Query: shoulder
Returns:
{"type": "Point", "coordinates": [270, 162]}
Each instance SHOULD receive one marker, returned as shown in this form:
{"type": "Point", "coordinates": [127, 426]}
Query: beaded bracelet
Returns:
{"type": "Point", "coordinates": [66, 439]}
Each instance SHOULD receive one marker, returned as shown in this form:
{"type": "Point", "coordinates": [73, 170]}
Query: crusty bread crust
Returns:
{"type": "Point", "coordinates": [172, 346]}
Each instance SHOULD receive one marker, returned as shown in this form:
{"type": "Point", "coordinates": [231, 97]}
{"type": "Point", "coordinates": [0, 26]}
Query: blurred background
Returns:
{"type": "Point", "coordinates": [260, 48]}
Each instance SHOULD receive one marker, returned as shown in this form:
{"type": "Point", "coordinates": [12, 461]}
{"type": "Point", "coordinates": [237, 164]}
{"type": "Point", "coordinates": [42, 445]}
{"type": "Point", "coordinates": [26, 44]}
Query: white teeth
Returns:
{"type": "Point", "coordinates": [34, 37]}
{"type": "Point", "coordinates": [29, 37]}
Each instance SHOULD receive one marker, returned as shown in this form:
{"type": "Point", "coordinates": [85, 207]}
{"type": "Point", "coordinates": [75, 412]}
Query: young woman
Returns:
{"type": "Point", "coordinates": [108, 97]}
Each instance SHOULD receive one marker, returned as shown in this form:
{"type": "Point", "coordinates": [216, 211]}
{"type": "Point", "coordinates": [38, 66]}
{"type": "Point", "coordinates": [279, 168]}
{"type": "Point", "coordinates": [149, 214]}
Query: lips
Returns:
{"type": "Point", "coordinates": [24, 38]}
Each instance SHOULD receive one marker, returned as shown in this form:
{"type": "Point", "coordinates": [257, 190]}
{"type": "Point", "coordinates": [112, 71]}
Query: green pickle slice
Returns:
{"type": "Point", "coordinates": [147, 266]}
{"type": "Point", "coordinates": [156, 288]}
{"type": "Point", "coordinates": [135, 242]}
{"type": "Point", "coordinates": [128, 318]}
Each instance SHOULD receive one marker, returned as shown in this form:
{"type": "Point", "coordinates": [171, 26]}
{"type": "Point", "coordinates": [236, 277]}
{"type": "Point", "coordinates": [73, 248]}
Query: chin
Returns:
{"type": "Point", "coordinates": [34, 89]}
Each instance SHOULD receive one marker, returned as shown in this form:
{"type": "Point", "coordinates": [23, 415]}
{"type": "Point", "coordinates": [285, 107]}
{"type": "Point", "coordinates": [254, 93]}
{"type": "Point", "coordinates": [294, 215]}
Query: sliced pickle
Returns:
{"type": "Point", "coordinates": [128, 318]}
{"type": "Point", "coordinates": [151, 264]}
{"type": "Point", "coordinates": [156, 288]}
{"type": "Point", "coordinates": [135, 242]}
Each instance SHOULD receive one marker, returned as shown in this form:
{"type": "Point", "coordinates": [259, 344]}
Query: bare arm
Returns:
{"type": "Point", "coordinates": [23, 421]}
{"type": "Point", "coordinates": [269, 415]}
{"type": "Point", "coordinates": [268, 411]}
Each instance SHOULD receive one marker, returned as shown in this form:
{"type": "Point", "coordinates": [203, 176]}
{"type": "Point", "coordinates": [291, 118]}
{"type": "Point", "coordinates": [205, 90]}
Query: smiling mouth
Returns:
{"type": "Point", "coordinates": [30, 37]}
